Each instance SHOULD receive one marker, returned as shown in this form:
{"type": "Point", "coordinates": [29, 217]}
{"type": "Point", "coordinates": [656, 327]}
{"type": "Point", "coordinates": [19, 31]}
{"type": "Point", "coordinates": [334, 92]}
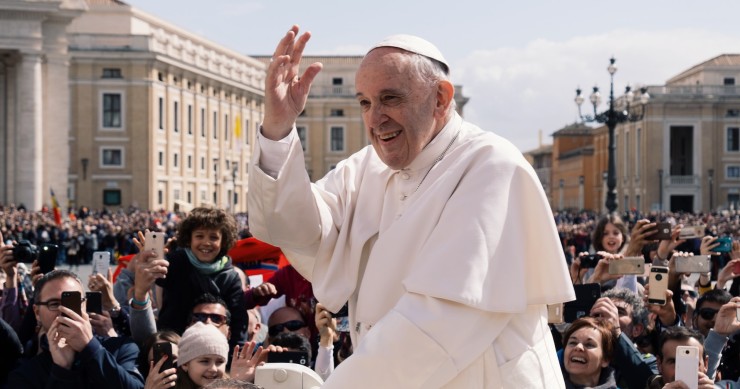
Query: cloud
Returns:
{"type": "Point", "coordinates": [516, 91]}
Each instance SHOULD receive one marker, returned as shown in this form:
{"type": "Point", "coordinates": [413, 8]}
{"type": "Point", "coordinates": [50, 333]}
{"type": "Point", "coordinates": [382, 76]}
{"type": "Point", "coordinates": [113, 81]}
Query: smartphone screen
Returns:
{"type": "Point", "coordinates": [101, 263]}
{"type": "Point", "coordinates": [48, 257]}
{"type": "Point", "coordinates": [299, 357]}
{"type": "Point", "coordinates": [94, 302]}
{"type": "Point", "coordinates": [628, 265]}
{"type": "Point", "coordinates": [160, 350]}
{"type": "Point", "coordinates": [154, 241]}
{"type": "Point", "coordinates": [658, 284]}
{"type": "Point", "coordinates": [687, 366]}
{"type": "Point", "coordinates": [73, 301]}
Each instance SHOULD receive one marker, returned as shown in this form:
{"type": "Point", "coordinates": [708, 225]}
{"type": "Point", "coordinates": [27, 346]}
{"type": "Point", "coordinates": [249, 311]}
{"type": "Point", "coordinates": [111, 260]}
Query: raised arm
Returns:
{"type": "Point", "coordinates": [285, 91]}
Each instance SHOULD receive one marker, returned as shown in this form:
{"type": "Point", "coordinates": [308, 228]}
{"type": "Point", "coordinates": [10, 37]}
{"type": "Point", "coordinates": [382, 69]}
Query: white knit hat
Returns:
{"type": "Point", "coordinates": [413, 44]}
{"type": "Point", "coordinates": [201, 339]}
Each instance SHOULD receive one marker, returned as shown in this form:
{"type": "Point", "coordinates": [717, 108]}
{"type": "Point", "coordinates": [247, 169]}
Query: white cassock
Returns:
{"type": "Point", "coordinates": [447, 283]}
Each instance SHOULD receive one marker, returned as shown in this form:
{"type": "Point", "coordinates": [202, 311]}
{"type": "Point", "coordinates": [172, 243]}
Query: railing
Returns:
{"type": "Point", "coordinates": [683, 180]}
{"type": "Point", "coordinates": [332, 91]}
{"type": "Point", "coordinates": [109, 42]}
{"type": "Point", "coordinates": [691, 91]}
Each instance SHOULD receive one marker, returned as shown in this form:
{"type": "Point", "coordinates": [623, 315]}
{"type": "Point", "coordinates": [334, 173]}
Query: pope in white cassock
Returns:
{"type": "Point", "coordinates": [438, 234]}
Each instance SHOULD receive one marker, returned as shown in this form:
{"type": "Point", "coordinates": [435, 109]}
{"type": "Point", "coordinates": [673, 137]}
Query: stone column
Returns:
{"type": "Point", "coordinates": [28, 140]}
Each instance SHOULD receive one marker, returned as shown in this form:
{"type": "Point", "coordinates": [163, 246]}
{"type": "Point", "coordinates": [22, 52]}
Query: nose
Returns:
{"type": "Point", "coordinates": [376, 116]}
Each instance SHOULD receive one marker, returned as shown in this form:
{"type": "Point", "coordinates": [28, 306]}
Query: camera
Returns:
{"type": "Point", "coordinates": [658, 277]}
{"type": "Point", "coordinates": [25, 252]}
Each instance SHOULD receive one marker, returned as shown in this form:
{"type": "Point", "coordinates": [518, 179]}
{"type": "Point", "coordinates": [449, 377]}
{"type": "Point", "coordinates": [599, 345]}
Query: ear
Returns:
{"type": "Point", "coordinates": [185, 367]}
{"type": "Point", "coordinates": [445, 94]}
{"type": "Point", "coordinates": [36, 313]}
{"type": "Point", "coordinates": [258, 327]}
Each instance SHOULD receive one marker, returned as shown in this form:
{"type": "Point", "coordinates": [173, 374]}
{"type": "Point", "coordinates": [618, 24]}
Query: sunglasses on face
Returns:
{"type": "Point", "coordinates": [291, 325]}
{"type": "Point", "coordinates": [215, 318]}
{"type": "Point", "coordinates": [707, 313]}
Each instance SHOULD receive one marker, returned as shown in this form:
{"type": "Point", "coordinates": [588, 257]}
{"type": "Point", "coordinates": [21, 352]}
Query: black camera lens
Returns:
{"type": "Point", "coordinates": [658, 277]}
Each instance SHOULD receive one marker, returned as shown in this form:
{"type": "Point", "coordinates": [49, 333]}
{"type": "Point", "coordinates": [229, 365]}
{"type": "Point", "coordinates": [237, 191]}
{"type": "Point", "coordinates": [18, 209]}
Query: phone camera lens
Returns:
{"type": "Point", "coordinates": [686, 352]}
{"type": "Point", "coordinates": [658, 277]}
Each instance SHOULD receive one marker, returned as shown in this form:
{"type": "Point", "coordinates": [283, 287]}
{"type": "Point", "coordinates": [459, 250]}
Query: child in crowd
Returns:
{"type": "Point", "coordinates": [200, 265]}
{"type": "Point", "coordinates": [203, 352]}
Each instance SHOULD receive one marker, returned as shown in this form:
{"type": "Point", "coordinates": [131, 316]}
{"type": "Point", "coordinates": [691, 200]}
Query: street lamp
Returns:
{"type": "Point", "coordinates": [611, 118]}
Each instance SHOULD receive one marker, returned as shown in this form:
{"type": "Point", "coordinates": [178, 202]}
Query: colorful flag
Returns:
{"type": "Point", "coordinates": [238, 127]}
{"type": "Point", "coordinates": [55, 208]}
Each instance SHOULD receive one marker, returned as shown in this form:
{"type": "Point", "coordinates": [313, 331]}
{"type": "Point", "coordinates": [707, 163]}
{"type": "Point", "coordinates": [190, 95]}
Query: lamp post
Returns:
{"type": "Point", "coordinates": [611, 117]}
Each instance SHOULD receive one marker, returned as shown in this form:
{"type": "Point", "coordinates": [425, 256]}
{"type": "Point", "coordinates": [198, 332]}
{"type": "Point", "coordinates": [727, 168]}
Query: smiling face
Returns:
{"type": "Point", "coordinates": [205, 369]}
{"type": "Point", "coordinates": [206, 244]}
{"type": "Point", "coordinates": [612, 239]}
{"type": "Point", "coordinates": [583, 356]}
{"type": "Point", "coordinates": [402, 112]}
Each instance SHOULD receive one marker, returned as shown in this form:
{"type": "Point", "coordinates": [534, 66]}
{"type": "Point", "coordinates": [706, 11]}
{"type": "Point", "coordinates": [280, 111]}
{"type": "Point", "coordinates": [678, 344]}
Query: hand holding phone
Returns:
{"type": "Point", "coordinates": [154, 241]}
{"type": "Point", "coordinates": [663, 231]}
{"type": "Point", "coordinates": [299, 357]}
{"type": "Point", "coordinates": [72, 299]}
{"type": "Point", "coordinates": [627, 265]}
{"type": "Point", "coordinates": [658, 283]}
{"type": "Point", "coordinates": [163, 349]}
{"type": "Point", "coordinates": [687, 366]}
{"type": "Point", "coordinates": [724, 246]}
{"type": "Point", "coordinates": [589, 261]}
{"type": "Point", "coordinates": [693, 264]}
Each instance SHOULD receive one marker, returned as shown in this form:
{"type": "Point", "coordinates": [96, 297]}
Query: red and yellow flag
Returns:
{"type": "Point", "coordinates": [55, 208]}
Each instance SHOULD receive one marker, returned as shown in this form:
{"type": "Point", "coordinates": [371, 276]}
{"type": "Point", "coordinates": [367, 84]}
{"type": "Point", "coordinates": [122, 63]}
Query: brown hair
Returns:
{"type": "Point", "coordinates": [608, 334]}
{"type": "Point", "coordinates": [601, 225]}
{"type": "Point", "coordinates": [208, 218]}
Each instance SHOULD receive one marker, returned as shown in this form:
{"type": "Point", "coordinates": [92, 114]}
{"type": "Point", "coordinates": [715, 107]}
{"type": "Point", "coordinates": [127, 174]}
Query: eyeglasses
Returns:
{"type": "Point", "coordinates": [707, 313]}
{"type": "Point", "coordinates": [291, 325]}
{"type": "Point", "coordinates": [54, 304]}
{"type": "Point", "coordinates": [216, 319]}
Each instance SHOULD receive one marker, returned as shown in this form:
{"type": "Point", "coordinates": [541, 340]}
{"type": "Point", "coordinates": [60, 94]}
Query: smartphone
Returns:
{"type": "Point", "coordinates": [160, 350]}
{"type": "Point", "coordinates": [627, 265]}
{"type": "Point", "coordinates": [590, 260]}
{"type": "Point", "coordinates": [687, 366]}
{"type": "Point", "coordinates": [154, 241]}
{"type": "Point", "coordinates": [94, 302]}
{"type": "Point", "coordinates": [694, 264]}
{"type": "Point", "coordinates": [73, 301]}
{"type": "Point", "coordinates": [299, 357]}
{"type": "Point", "coordinates": [725, 245]}
{"type": "Point", "coordinates": [101, 263]}
{"type": "Point", "coordinates": [48, 257]}
{"type": "Point", "coordinates": [692, 232]}
{"type": "Point", "coordinates": [663, 231]}
{"type": "Point", "coordinates": [586, 296]}
{"type": "Point", "coordinates": [658, 284]}
{"type": "Point", "coordinates": [555, 313]}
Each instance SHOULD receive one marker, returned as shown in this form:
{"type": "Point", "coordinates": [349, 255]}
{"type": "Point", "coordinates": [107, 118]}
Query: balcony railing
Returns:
{"type": "Point", "coordinates": [683, 180]}
{"type": "Point", "coordinates": [332, 91]}
{"type": "Point", "coordinates": [693, 91]}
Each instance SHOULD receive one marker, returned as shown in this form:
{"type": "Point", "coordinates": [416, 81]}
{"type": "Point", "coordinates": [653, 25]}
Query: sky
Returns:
{"type": "Point", "coordinates": [519, 62]}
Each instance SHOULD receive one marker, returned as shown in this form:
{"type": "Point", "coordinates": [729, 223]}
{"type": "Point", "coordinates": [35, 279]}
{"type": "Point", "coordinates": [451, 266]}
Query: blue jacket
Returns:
{"type": "Point", "coordinates": [104, 363]}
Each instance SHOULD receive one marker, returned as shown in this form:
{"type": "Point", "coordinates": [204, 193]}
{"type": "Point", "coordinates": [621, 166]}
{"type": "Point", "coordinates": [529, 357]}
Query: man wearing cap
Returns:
{"type": "Point", "coordinates": [439, 234]}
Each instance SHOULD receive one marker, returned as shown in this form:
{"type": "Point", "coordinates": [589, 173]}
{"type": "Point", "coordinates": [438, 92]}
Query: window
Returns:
{"type": "Point", "coordinates": [112, 73]}
{"type": "Point", "coordinates": [226, 127]}
{"type": "Point", "coordinates": [202, 163]}
{"type": "Point", "coordinates": [336, 112]}
{"type": "Point", "coordinates": [202, 122]}
{"type": "Point", "coordinates": [302, 136]}
{"type": "Point", "coordinates": [733, 139]}
{"type": "Point", "coordinates": [111, 157]}
{"type": "Point", "coordinates": [190, 119]}
{"type": "Point", "coordinates": [246, 129]}
{"type": "Point", "coordinates": [190, 197]}
{"type": "Point", "coordinates": [112, 110]}
{"type": "Point", "coordinates": [733, 200]}
{"type": "Point", "coordinates": [337, 81]}
{"type": "Point", "coordinates": [176, 194]}
{"type": "Point", "coordinates": [190, 161]}
{"type": "Point", "coordinates": [160, 197]}
{"type": "Point", "coordinates": [728, 81]}
{"type": "Point", "coordinates": [111, 197]}
{"type": "Point", "coordinates": [161, 112]}
{"type": "Point", "coordinates": [160, 77]}
{"type": "Point", "coordinates": [161, 158]}
{"type": "Point", "coordinates": [177, 117]}
{"type": "Point", "coordinates": [733, 172]}
{"type": "Point", "coordinates": [202, 195]}
{"type": "Point", "coordinates": [337, 139]}
{"type": "Point", "coordinates": [215, 125]}
{"type": "Point", "coordinates": [175, 159]}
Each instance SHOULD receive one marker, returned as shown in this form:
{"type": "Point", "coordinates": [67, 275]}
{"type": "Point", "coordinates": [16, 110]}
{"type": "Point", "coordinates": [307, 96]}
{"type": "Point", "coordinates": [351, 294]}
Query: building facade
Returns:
{"type": "Point", "coordinates": [34, 99]}
{"type": "Point", "coordinates": [162, 118]}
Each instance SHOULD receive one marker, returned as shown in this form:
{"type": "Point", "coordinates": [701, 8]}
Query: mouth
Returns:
{"type": "Point", "coordinates": [578, 360]}
{"type": "Point", "coordinates": [387, 137]}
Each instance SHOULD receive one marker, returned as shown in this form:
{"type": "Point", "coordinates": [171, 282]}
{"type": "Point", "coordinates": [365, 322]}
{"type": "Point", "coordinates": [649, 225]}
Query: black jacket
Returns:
{"type": "Point", "coordinates": [103, 363]}
{"type": "Point", "coordinates": [184, 284]}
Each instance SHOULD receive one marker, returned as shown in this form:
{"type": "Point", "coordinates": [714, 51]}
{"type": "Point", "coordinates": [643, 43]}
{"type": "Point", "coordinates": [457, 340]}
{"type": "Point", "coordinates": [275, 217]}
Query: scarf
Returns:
{"type": "Point", "coordinates": [206, 268]}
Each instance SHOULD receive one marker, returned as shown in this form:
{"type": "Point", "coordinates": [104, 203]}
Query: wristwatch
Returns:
{"type": "Point", "coordinates": [115, 311]}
